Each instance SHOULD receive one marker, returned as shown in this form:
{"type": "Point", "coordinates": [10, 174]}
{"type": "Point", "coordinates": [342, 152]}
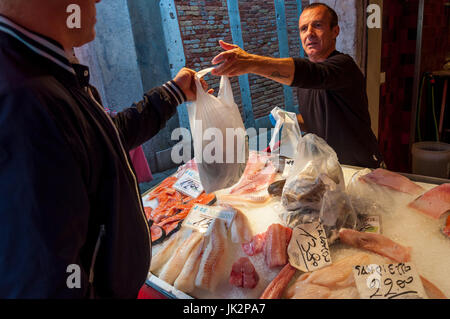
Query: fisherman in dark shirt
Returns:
{"type": "Point", "coordinates": [331, 88]}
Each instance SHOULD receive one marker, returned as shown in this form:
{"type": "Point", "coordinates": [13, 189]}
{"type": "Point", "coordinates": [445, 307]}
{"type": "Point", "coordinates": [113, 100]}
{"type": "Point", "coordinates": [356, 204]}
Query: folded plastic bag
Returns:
{"type": "Point", "coordinates": [220, 139]}
{"type": "Point", "coordinates": [287, 131]}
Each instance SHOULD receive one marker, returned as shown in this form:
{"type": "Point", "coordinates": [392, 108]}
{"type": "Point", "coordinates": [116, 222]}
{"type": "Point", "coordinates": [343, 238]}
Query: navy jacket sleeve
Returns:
{"type": "Point", "coordinates": [42, 216]}
{"type": "Point", "coordinates": [146, 118]}
{"type": "Point", "coordinates": [337, 72]}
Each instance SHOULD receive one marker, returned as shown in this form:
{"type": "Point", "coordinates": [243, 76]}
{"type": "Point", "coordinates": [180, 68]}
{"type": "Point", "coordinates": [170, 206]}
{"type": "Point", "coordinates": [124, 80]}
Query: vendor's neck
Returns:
{"type": "Point", "coordinates": [322, 56]}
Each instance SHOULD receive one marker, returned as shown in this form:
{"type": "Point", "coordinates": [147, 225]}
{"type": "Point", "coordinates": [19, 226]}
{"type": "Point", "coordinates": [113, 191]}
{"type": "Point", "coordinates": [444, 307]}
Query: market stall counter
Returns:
{"type": "Point", "coordinates": [245, 243]}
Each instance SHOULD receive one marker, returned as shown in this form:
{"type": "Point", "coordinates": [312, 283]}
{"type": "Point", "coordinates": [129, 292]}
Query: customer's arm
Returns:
{"type": "Point", "coordinates": [44, 206]}
{"type": "Point", "coordinates": [146, 118]}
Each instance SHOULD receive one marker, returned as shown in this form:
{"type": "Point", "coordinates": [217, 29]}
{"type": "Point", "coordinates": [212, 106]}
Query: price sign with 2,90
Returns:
{"type": "Point", "coordinates": [389, 281]}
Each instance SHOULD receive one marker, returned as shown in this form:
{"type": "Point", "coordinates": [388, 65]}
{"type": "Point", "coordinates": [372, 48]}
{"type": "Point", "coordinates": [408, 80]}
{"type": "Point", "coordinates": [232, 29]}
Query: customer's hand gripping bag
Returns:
{"type": "Point", "coordinates": [220, 139]}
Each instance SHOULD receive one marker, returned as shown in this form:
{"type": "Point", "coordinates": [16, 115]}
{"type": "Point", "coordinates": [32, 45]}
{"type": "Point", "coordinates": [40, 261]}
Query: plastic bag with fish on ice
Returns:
{"type": "Point", "coordinates": [337, 212]}
{"type": "Point", "coordinates": [367, 198]}
{"type": "Point", "coordinates": [220, 139]}
{"type": "Point", "coordinates": [315, 171]}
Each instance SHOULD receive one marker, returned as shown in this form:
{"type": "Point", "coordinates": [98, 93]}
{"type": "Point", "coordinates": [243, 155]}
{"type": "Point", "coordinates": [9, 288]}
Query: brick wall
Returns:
{"type": "Point", "coordinates": [259, 32]}
{"type": "Point", "coordinates": [202, 24]}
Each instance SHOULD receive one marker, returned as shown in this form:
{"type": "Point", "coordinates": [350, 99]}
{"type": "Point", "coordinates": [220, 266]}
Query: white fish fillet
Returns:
{"type": "Point", "coordinates": [214, 258]}
{"type": "Point", "coordinates": [163, 255]}
{"type": "Point", "coordinates": [173, 267]}
{"type": "Point", "coordinates": [332, 282]}
{"type": "Point", "coordinates": [186, 279]}
{"type": "Point", "coordinates": [240, 228]}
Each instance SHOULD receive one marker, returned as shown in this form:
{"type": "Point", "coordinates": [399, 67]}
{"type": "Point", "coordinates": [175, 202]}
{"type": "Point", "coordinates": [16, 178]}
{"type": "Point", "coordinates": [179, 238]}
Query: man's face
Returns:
{"type": "Point", "coordinates": [88, 11]}
{"type": "Point", "coordinates": [318, 38]}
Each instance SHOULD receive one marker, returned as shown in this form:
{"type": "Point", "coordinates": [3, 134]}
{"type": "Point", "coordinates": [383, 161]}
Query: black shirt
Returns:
{"type": "Point", "coordinates": [333, 103]}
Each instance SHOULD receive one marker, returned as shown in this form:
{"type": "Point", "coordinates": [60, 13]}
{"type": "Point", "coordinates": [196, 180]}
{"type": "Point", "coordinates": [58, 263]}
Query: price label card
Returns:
{"type": "Point", "coordinates": [201, 217]}
{"type": "Point", "coordinates": [371, 224]}
{"type": "Point", "coordinates": [308, 249]}
{"type": "Point", "coordinates": [389, 281]}
{"type": "Point", "coordinates": [189, 184]}
{"type": "Point", "coordinates": [288, 165]}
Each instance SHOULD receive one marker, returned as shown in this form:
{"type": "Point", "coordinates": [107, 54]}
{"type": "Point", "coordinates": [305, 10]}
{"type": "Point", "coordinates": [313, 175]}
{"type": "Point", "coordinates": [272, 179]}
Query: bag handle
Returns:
{"type": "Point", "coordinates": [202, 73]}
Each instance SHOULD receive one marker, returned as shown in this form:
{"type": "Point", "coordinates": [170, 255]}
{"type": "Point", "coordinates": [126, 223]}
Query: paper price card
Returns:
{"type": "Point", "coordinates": [308, 249]}
{"type": "Point", "coordinates": [201, 217]}
{"type": "Point", "coordinates": [189, 184]}
{"type": "Point", "coordinates": [371, 224]}
{"type": "Point", "coordinates": [389, 281]}
{"type": "Point", "coordinates": [288, 165]}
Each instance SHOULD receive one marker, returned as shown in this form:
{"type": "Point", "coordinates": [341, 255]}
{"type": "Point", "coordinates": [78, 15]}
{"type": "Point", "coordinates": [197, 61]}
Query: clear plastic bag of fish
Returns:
{"type": "Point", "coordinates": [219, 135]}
{"type": "Point", "coordinates": [316, 170]}
{"type": "Point", "coordinates": [368, 199]}
{"type": "Point", "coordinates": [337, 212]}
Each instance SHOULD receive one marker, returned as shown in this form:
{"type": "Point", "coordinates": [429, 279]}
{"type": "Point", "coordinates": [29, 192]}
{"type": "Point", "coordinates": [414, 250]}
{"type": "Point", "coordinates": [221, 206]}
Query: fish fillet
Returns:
{"type": "Point", "coordinates": [337, 282]}
{"type": "Point", "coordinates": [163, 255]}
{"type": "Point", "coordinates": [433, 203]}
{"type": "Point", "coordinates": [375, 243]}
{"type": "Point", "coordinates": [332, 282]}
{"type": "Point", "coordinates": [393, 181]}
{"type": "Point", "coordinates": [240, 228]}
{"type": "Point", "coordinates": [243, 274]}
{"type": "Point", "coordinates": [211, 267]}
{"type": "Point", "coordinates": [186, 279]}
{"type": "Point", "coordinates": [255, 245]}
{"type": "Point", "coordinates": [275, 248]}
{"type": "Point", "coordinates": [173, 267]}
{"type": "Point", "coordinates": [276, 288]}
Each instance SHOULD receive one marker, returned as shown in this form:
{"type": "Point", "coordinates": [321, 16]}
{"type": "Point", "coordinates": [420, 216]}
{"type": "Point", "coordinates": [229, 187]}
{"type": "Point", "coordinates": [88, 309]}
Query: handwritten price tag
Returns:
{"type": "Point", "coordinates": [308, 249]}
{"type": "Point", "coordinates": [388, 281]}
{"type": "Point", "coordinates": [371, 224]}
{"type": "Point", "coordinates": [189, 184]}
{"type": "Point", "coordinates": [201, 217]}
{"type": "Point", "coordinates": [288, 165]}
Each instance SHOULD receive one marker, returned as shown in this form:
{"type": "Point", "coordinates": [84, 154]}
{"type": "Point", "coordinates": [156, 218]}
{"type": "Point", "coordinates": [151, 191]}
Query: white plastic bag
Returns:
{"type": "Point", "coordinates": [220, 139]}
{"type": "Point", "coordinates": [287, 123]}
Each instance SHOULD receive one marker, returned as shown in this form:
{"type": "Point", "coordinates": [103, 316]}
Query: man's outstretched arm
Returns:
{"type": "Point", "coordinates": [236, 61]}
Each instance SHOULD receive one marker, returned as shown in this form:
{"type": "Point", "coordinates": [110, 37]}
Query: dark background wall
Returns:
{"type": "Point", "coordinates": [398, 60]}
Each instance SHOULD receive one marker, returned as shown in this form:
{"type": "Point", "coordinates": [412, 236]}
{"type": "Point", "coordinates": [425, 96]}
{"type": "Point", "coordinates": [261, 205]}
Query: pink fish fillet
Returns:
{"type": "Point", "coordinates": [276, 288]}
{"type": "Point", "coordinates": [375, 243]}
{"type": "Point", "coordinates": [392, 180]}
{"type": "Point", "coordinates": [275, 248]}
{"type": "Point", "coordinates": [433, 203]}
{"type": "Point", "coordinates": [256, 245]}
{"type": "Point", "coordinates": [243, 274]}
{"type": "Point", "coordinates": [258, 175]}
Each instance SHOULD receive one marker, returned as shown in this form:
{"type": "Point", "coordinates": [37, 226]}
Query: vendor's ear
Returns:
{"type": "Point", "coordinates": [336, 31]}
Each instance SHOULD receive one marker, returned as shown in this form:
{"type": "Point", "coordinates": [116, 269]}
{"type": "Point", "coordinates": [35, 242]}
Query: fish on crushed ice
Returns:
{"type": "Point", "coordinates": [173, 267]}
{"type": "Point", "coordinates": [376, 243]}
{"type": "Point", "coordinates": [243, 274]}
{"type": "Point", "coordinates": [433, 203]}
{"type": "Point", "coordinates": [186, 279]}
{"type": "Point", "coordinates": [277, 286]}
{"type": "Point", "coordinates": [276, 243]}
{"type": "Point", "coordinates": [166, 251]}
{"type": "Point", "coordinates": [255, 245]}
{"type": "Point", "coordinates": [393, 180]}
{"type": "Point", "coordinates": [240, 228]}
{"type": "Point", "coordinates": [214, 257]}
